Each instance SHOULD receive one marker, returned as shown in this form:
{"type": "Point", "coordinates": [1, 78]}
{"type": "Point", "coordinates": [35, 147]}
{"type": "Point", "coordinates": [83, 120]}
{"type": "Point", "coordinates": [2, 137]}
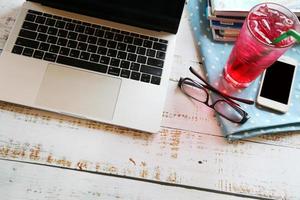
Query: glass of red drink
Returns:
{"type": "Point", "coordinates": [253, 51]}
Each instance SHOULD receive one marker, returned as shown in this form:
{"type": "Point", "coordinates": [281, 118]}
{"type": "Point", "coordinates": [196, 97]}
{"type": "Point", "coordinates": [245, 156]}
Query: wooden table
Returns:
{"type": "Point", "coordinates": [50, 156]}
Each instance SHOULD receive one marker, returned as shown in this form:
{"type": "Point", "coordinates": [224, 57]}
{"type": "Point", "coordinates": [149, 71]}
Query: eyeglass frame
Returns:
{"type": "Point", "coordinates": [230, 100]}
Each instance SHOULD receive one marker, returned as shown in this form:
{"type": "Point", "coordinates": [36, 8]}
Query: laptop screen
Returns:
{"type": "Point", "coordinates": [162, 15]}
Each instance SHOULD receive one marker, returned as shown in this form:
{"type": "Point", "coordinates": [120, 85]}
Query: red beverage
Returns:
{"type": "Point", "coordinates": [253, 51]}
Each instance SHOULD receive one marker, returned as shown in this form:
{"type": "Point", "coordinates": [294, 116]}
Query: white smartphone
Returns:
{"type": "Point", "coordinates": [277, 83]}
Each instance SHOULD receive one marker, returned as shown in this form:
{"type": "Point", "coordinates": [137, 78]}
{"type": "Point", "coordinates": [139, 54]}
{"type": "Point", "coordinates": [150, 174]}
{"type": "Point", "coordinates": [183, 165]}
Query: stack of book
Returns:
{"type": "Point", "coordinates": [226, 17]}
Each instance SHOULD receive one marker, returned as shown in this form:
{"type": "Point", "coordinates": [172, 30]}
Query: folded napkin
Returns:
{"type": "Point", "coordinates": [214, 55]}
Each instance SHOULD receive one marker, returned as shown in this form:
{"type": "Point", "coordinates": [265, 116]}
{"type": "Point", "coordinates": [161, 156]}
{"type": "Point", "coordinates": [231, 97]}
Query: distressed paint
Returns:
{"type": "Point", "coordinates": [180, 153]}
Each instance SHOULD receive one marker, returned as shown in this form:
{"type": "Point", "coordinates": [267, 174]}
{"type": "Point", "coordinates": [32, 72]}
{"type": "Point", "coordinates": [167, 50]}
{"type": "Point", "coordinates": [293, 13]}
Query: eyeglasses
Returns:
{"type": "Point", "coordinates": [225, 105]}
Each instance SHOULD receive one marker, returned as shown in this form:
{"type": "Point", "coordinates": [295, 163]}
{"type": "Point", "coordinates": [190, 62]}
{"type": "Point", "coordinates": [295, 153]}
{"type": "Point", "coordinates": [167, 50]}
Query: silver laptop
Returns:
{"type": "Point", "coordinates": [103, 60]}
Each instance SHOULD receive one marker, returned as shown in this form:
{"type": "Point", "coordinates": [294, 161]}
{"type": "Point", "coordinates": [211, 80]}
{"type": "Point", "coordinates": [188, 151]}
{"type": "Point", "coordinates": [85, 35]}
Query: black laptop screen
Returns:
{"type": "Point", "coordinates": [161, 15]}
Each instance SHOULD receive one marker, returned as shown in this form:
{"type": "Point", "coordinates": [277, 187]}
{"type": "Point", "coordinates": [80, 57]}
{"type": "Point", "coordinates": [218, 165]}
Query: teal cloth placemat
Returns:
{"type": "Point", "coordinates": [214, 55]}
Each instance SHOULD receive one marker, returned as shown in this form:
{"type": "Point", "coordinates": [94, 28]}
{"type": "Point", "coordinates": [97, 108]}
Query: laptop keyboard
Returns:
{"type": "Point", "coordinates": [91, 47]}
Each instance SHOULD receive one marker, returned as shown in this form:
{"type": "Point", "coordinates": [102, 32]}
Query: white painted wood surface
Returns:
{"type": "Point", "coordinates": [189, 151]}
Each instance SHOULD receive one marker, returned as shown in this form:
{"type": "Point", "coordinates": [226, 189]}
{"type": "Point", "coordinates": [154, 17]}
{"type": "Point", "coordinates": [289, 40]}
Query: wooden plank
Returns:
{"type": "Point", "coordinates": [173, 156]}
{"type": "Point", "coordinates": [27, 182]}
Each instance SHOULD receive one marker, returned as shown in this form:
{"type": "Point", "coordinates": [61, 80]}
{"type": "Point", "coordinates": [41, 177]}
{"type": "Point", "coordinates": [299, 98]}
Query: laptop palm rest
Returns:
{"type": "Point", "coordinates": [78, 92]}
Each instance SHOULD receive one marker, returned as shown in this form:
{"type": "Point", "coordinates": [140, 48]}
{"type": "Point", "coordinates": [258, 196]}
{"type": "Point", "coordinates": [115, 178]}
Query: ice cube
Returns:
{"type": "Point", "coordinates": [256, 15]}
{"type": "Point", "coordinates": [262, 35]}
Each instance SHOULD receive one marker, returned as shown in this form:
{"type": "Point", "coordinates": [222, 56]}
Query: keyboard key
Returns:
{"type": "Point", "coordinates": [131, 48]}
{"type": "Point", "coordinates": [35, 12]}
{"type": "Point", "coordinates": [125, 73]}
{"type": "Point", "coordinates": [47, 15]}
{"type": "Point", "coordinates": [150, 53]}
{"type": "Point", "coordinates": [102, 42]}
{"type": "Point", "coordinates": [82, 37]}
{"type": "Point", "coordinates": [57, 17]}
{"type": "Point", "coordinates": [54, 49]}
{"type": "Point", "coordinates": [141, 59]}
{"type": "Point", "coordinates": [121, 46]}
{"type": "Point", "coordinates": [30, 17]}
{"type": "Point", "coordinates": [40, 19]}
{"type": "Point", "coordinates": [64, 51]}
{"type": "Point", "coordinates": [72, 44]}
{"type": "Point", "coordinates": [145, 78]}
{"type": "Point", "coordinates": [160, 46]}
{"type": "Point", "coordinates": [62, 42]}
{"type": "Point", "coordinates": [82, 46]}
{"type": "Point", "coordinates": [60, 24]}
{"type": "Point", "coordinates": [50, 22]}
{"type": "Point", "coordinates": [70, 26]}
{"type": "Point", "coordinates": [128, 39]}
{"type": "Point", "coordinates": [135, 76]}
{"type": "Point", "coordinates": [79, 28]}
{"type": "Point", "coordinates": [112, 44]}
{"type": "Point", "coordinates": [92, 48]}
{"type": "Point", "coordinates": [38, 54]}
{"type": "Point", "coordinates": [104, 60]}
{"type": "Point", "coordinates": [74, 53]}
{"type": "Point", "coordinates": [92, 40]}
{"type": "Point", "coordinates": [27, 43]}
{"type": "Point", "coordinates": [138, 41]}
{"type": "Point", "coordinates": [99, 33]}
{"type": "Point", "coordinates": [52, 39]}
{"type": "Point", "coordinates": [82, 64]}
{"type": "Point", "coordinates": [147, 43]}
{"type": "Point", "coordinates": [89, 30]}
{"type": "Point", "coordinates": [50, 57]}
{"type": "Point", "coordinates": [102, 51]}
{"type": "Point", "coordinates": [112, 53]}
{"type": "Point", "coordinates": [84, 56]}
{"type": "Point", "coordinates": [44, 46]}
{"type": "Point", "coordinates": [119, 37]}
{"type": "Point", "coordinates": [114, 71]}
{"type": "Point", "coordinates": [155, 80]}
{"type": "Point", "coordinates": [52, 31]}
{"type": "Point", "coordinates": [125, 64]}
{"type": "Point", "coordinates": [109, 35]}
{"type": "Point", "coordinates": [95, 58]}
{"type": "Point", "coordinates": [144, 37]}
{"type": "Point", "coordinates": [155, 62]}
{"type": "Point", "coordinates": [42, 28]}
{"type": "Point", "coordinates": [42, 37]}
{"type": "Point", "coordinates": [135, 66]}
{"type": "Point", "coordinates": [141, 50]}
{"type": "Point", "coordinates": [131, 57]}
{"type": "Point", "coordinates": [163, 41]}
{"type": "Point", "coordinates": [122, 55]}
{"type": "Point", "coordinates": [151, 70]}
{"type": "Point", "coordinates": [160, 55]}
{"type": "Point", "coordinates": [72, 35]}
{"type": "Point", "coordinates": [17, 49]}
{"type": "Point", "coordinates": [27, 34]}
{"type": "Point", "coordinates": [30, 26]}
{"type": "Point", "coordinates": [62, 33]}
{"type": "Point", "coordinates": [115, 62]}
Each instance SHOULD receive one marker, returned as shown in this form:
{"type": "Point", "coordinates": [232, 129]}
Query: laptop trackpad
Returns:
{"type": "Point", "coordinates": [78, 92]}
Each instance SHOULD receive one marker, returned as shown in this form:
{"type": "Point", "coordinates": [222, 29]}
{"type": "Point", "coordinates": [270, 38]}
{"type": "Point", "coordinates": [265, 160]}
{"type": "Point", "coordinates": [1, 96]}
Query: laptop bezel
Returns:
{"type": "Point", "coordinates": [169, 24]}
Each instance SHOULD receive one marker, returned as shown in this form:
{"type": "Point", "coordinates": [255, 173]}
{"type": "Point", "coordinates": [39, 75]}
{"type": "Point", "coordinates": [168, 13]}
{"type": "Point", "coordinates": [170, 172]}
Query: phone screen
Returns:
{"type": "Point", "coordinates": [277, 82]}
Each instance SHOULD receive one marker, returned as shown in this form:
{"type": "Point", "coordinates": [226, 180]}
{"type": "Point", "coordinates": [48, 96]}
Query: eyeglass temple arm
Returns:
{"type": "Point", "coordinates": [247, 101]}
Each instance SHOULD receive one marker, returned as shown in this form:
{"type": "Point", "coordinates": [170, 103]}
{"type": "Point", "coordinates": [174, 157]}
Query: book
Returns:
{"type": "Point", "coordinates": [242, 7]}
{"type": "Point", "coordinates": [225, 25]}
{"type": "Point", "coordinates": [222, 36]}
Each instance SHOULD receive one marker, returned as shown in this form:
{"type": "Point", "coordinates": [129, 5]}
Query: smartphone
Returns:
{"type": "Point", "coordinates": [277, 83]}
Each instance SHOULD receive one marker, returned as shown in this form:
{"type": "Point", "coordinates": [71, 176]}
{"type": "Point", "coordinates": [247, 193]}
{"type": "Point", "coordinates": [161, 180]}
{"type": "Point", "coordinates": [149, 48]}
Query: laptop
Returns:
{"type": "Point", "coordinates": [103, 60]}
